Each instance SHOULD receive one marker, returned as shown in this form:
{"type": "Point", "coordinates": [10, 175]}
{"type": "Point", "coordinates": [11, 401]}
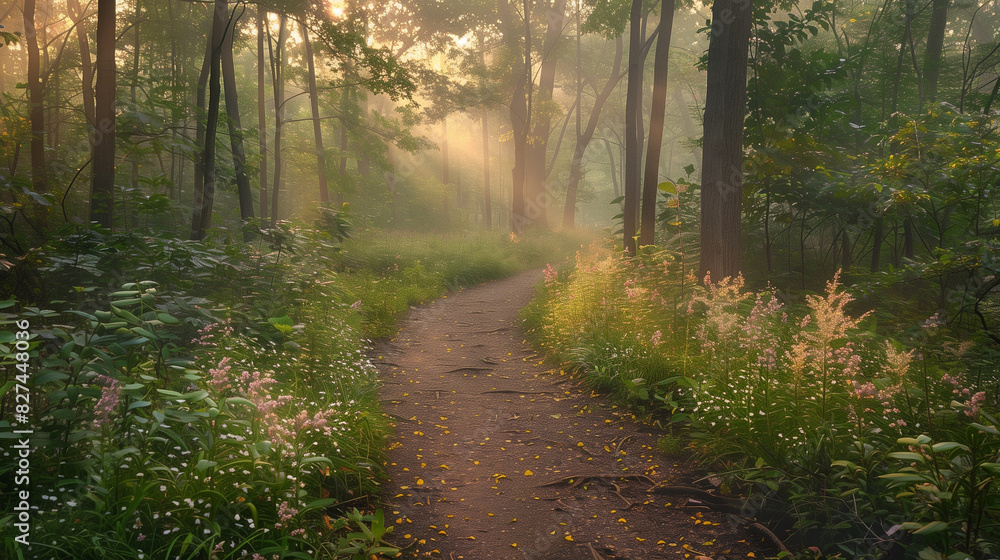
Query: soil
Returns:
{"type": "Point", "coordinates": [499, 456]}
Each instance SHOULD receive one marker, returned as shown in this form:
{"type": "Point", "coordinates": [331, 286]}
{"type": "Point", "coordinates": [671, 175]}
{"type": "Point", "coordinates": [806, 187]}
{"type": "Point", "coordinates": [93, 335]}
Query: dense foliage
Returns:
{"type": "Point", "coordinates": [845, 433]}
{"type": "Point", "coordinates": [244, 420]}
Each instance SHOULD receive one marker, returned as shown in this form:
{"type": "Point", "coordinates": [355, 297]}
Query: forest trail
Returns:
{"type": "Point", "coordinates": [482, 427]}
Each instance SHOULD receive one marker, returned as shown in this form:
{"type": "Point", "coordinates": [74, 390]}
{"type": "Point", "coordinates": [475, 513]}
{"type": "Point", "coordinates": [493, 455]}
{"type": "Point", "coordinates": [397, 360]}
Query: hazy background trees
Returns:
{"type": "Point", "coordinates": [864, 137]}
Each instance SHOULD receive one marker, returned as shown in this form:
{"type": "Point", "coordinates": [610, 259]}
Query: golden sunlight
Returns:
{"type": "Point", "coordinates": [335, 8]}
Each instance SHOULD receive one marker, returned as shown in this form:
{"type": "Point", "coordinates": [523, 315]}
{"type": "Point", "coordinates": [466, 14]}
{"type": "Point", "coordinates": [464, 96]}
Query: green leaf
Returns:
{"type": "Point", "coordinates": [948, 446]}
{"type": "Point", "coordinates": [667, 187]}
{"type": "Point", "coordinates": [907, 456]}
{"type": "Point", "coordinates": [931, 528]}
{"type": "Point", "coordinates": [903, 477]}
{"type": "Point", "coordinates": [919, 440]}
{"type": "Point", "coordinates": [168, 319]}
{"type": "Point", "coordinates": [322, 503]}
{"type": "Point", "coordinates": [143, 332]}
{"type": "Point", "coordinates": [988, 429]}
{"type": "Point", "coordinates": [312, 460]}
{"type": "Point", "coordinates": [47, 376]}
{"type": "Point", "coordinates": [139, 404]}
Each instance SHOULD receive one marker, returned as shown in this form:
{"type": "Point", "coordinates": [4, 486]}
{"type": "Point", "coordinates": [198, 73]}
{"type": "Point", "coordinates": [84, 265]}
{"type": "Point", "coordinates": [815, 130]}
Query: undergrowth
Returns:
{"type": "Point", "coordinates": [214, 400]}
{"type": "Point", "coordinates": [863, 442]}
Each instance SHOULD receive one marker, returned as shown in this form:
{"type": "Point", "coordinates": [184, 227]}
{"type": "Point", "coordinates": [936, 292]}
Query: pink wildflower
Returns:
{"type": "Point", "coordinates": [219, 376]}
{"type": "Point", "coordinates": [655, 339]}
{"type": "Point", "coordinates": [110, 397]}
{"type": "Point", "coordinates": [285, 514]}
{"type": "Point", "coordinates": [974, 403]}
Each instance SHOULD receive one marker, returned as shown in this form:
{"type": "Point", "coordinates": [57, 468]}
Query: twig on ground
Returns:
{"type": "Point", "coordinates": [767, 533]}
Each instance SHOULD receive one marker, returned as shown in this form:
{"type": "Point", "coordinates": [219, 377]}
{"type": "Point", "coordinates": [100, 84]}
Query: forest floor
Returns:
{"type": "Point", "coordinates": [498, 456]}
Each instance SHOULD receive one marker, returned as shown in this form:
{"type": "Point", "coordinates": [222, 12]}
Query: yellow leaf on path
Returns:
{"type": "Point", "coordinates": [528, 473]}
{"type": "Point", "coordinates": [569, 538]}
{"type": "Point", "coordinates": [751, 555]}
{"type": "Point", "coordinates": [420, 481]}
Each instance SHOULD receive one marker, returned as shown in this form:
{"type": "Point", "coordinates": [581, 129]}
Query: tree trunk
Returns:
{"type": "Point", "coordinates": [344, 106]}
{"type": "Point", "coordinates": [487, 191]}
{"type": "Point", "coordinates": [198, 193]}
{"type": "Point", "coordinates": [935, 46]}
{"type": "Point", "coordinates": [175, 177]}
{"type": "Point", "coordinates": [103, 179]}
{"type": "Point", "coordinates": [536, 195]}
{"type": "Point", "coordinates": [262, 112]}
{"type": "Point", "coordinates": [614, 172]}
{"type": "Point", "coordinates": [277, 72]}
{"type": "Point", "coordinates": [136, 51]}
{"type": "Point", "coordinates": [324, 195]}
{"type": "Point", "coordinates": [445, 167]}
{"type": "Point", "coordinates": [656, 122]}
{"type": "Point", "coordinates": [236, 128]}
{"type": "Point", "coordinates": [877, 236]}
{"type": "Point", "coordinates": [86, 65]}
{"type": "Point", "coordinates": [36, 101]}
{"type": "Point", "coordinates": [633, 113]}
{"type": "Point", "coordinates": [216, 41]}
{"type": "Point", "coordinates": [519, 115]}
{"type": "Point", "coordinates": [722, 159]}
{"type": "Point", "coordinates": [908, 237]}
{"type": "Point", "coordinates": [584, 138]}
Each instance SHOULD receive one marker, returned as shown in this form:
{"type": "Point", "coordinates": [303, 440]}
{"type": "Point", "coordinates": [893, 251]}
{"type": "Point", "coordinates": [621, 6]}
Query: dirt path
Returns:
{"type": "Point", "coordinates": [482, 427]}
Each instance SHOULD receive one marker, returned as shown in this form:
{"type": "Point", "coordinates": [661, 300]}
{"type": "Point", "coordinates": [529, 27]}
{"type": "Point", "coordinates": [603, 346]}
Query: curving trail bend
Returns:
{"type": "Point", "coordinates": [497, 457]}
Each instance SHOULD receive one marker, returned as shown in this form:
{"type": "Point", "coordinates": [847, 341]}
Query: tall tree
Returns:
{"type": "Point", "coordinates": [446, 165]}
{"type": "Point", "coordinates": [722, 158]}
{"type": "Point", "coordinates": [262, 110]}
{"type": "Point", "coordinates": [35, 99]}
{"type": "Point", "coordinates": [536, 196]}
{"type": "Point", "coordinates": [935, 46]}
{"type": "Point", "coordinates": [647, 225]}
{"type": "Point", "coordinates": [584, 138]}
{"type": "Point", "coordinates": [324, 195]}
{"type": "Point", "coordinates": [216, 41]}
{"type": "Point", "coordinates": [103, 179]}
{"type": "Point", "coordinates": [278, 79]}
{"type": "Point", "coordinates": [519, 114]}
{"type": "Point", "coordinates": [77, 15]}
{"type": "Point", "coordinates": [198, 193]}
{"type": "Point", "coordinates": [633, 139]}
{"type": "Point", "coordinates": [484, 122]}
{"type": "Point", "coordinates": [235, 124]}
